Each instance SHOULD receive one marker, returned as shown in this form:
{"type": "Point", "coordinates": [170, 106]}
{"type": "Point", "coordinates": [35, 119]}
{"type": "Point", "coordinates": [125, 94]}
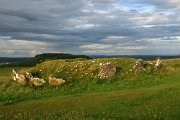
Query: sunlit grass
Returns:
{"type": "Point", "coordinates": [142, 96]}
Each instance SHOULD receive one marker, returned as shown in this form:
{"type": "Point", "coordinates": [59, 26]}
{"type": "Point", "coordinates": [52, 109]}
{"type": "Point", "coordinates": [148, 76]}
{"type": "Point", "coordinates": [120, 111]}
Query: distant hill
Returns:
{"type": "Point", "coordinates": [9, 59]}
{"type": "Point", "coordinates": [46, 56]}
{"type": "Point", "coordinates": [144, 57]}
{"type": "Point", "coordinates": [29, 62]}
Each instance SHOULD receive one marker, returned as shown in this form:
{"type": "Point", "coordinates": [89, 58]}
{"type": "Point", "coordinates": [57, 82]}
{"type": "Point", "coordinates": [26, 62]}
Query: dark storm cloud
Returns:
{"type": "Point", "coordinates": [89, 26]}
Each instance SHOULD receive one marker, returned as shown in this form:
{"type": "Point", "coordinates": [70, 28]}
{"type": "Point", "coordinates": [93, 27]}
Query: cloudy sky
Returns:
{"type": "Point", "coordinates": [109, 27]}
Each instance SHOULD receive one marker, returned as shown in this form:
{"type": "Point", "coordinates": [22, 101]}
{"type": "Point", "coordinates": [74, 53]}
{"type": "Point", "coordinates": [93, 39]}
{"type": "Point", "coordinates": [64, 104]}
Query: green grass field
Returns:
{"type": "Point", "coordinates": [144, 96]}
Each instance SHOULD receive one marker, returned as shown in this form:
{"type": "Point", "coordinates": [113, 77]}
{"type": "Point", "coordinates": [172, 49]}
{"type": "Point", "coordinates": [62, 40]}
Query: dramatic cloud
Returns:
{"type": "Point", "coordinates": [30, 27]}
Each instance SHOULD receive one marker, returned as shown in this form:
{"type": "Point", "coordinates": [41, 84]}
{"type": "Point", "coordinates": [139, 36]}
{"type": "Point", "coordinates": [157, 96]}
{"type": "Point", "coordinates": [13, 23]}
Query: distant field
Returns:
{"type": "Point", "coordinates": [144, 57]}
{"type": "Point", "coordinates": [30, 62]}
{"type": "Point", "coordinates": [5, 59]}
{"type": "Point", "coordinates": [153, 96]}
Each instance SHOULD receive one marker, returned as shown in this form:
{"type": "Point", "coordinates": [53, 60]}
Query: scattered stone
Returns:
{"type": "Point", "coordinates": [55, 82]}
{"type": "Point", "coordinates": [37, 81]}
{"type": "Point", "coordinates": [18, 78]}
{"type": "Point", "coordinates": [158, 64]}
{"type": "Point", "coordinates": [14, 72]}
{"type": "Point", "coordinates": [34, 81]}
{"type": "Point", "coordinates": [107, 70]}
{"type": "Point", "coordinates": [21, 79]}
{"type": "Point", "coordinates": [138, 66]}
{"type": "Point", "coordinates": [28, 76]}
{"type": "Point", "coordinates": [150, 63]}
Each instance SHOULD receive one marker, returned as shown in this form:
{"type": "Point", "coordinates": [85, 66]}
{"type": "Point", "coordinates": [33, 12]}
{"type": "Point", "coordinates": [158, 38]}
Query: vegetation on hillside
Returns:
{"type": "Point", "coordinates": [81, 71]}
{"type": "Point", "coordinates": [128, 95]}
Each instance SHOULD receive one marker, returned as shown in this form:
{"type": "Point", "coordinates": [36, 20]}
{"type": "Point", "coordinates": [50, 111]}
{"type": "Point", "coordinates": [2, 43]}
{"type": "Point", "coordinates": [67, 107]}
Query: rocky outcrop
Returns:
{"type": "Point", "coordinates": [27, 78]}
{"type": "Point", "coordinates": [138, 66]}
{"type": "Point", "coordinates": [34, 81]}
{"type": "Point", "coordinates": [107, 70]}
{"type": "Point", "coordinates": [55, 82]}
{"type": "Point", "coordinates": [158, 64]}
{"type": "Point", "coordinates": [18, 78]}
{"type": "Point", "coordinates": [37, 81]}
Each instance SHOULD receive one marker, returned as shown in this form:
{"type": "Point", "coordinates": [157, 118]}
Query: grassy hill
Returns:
{"type": "Point", "coordinates": [80, 71]}
{"type": "Point", "coordinates": [43, 57]}
{"type": "Point", "coordinates": [144, 95]}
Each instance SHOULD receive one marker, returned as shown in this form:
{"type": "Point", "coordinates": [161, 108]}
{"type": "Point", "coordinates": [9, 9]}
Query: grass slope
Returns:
{"type": "Point", "coordinates": [80, 71]}
{"type": "Point", "coordinates": [126, 96]}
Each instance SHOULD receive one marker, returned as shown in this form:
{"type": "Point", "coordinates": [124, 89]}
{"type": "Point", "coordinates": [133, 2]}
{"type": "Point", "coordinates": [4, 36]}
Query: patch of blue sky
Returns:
{"type": "Point", "coordinates": [135, 6]}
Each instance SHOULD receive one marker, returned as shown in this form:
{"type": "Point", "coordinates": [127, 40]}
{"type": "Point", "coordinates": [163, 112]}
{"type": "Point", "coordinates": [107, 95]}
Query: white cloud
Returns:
{"type": "Point", "coordinates": [96, 46]}
{"type": "Point", "coordinates": [133, 47]}
{"type": "Point", "coordinates": [89, 26]}
{"type": "Point", "coordinates": [97, 51]}
{"type": "Point", "coordinates": [5, 37]}
{"type": "Point", "coordinates": [27, 43]}
{"type": "Point", "coordinates": [114, 38]}
{"type": "Point", "coordinates": [22, 44]}
{"type": "Point", "coordinates": [20, 48]}
{"type": "Point", "coordinates": [86, 26]}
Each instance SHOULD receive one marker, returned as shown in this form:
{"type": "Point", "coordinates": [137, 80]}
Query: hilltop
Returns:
{"type": "Point", "coordinates": [42, 57]}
